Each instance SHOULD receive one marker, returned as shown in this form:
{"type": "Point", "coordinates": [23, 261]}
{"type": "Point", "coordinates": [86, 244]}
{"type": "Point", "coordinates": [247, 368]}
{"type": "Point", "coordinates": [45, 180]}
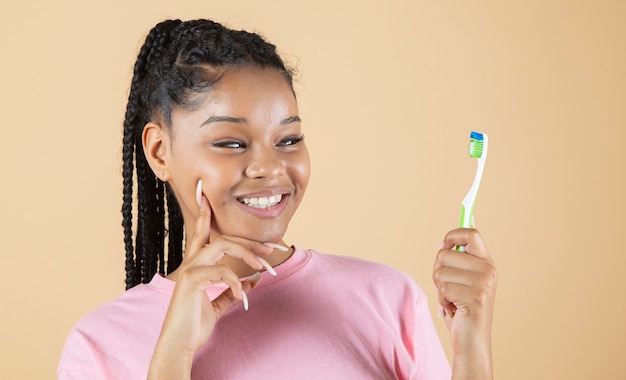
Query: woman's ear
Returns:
{"type": "Point", "coordinates": [156, 145]}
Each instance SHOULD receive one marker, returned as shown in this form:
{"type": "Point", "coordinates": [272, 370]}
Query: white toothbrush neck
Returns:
{"type": "Point", "coordinates": [471, 194]}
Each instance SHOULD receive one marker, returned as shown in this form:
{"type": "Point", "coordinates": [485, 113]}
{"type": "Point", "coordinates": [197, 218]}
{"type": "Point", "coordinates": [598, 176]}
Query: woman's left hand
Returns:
{"type": "Point", "coordinates": [466, 286]}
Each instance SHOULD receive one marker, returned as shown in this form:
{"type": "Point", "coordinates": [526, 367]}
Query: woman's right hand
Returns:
{"type": "Point", "coordinates": [191, 315]}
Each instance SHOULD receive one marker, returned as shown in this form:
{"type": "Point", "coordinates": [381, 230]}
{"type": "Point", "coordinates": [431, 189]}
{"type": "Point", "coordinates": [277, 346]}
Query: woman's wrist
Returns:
{"type": "Point", "coordinates": [474, 363]}
{"type": "Point", "coordinates": [170, 364]}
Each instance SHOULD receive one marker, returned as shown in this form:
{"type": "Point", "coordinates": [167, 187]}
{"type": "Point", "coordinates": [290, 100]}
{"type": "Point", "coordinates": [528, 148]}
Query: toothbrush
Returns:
{"type": "Point", "coordinates": [477, 149]}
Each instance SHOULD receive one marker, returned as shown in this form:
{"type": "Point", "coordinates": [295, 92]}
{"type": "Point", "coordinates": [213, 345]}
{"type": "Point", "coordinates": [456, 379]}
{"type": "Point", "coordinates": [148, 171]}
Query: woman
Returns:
{"type": "Point", "coordinates": [213, 131]}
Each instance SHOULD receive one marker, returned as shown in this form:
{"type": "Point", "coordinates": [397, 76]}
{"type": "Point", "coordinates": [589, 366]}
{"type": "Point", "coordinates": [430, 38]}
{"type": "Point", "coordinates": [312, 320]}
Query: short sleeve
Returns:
{"type": "Point", "coordinates": [422, 341]}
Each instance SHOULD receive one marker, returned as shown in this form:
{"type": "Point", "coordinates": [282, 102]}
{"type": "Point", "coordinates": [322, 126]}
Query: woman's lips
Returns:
{"type": "Point", "coordinates": [264, 207]}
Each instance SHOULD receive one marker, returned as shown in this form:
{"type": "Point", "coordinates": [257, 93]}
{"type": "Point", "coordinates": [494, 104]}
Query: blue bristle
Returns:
{"type": "Point", "coordinates": [476, 135]}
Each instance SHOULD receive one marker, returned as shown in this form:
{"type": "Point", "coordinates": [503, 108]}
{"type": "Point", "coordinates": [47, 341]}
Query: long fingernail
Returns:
{"type": "Point", "coordinates": [255, 279]}
{"type": "Point", "coordinates": [449, 313]}
{"type": "Point", "coordinates": [277, 246]}
{"type": "Point", "coordinates": [244, 298]}
{"type": "Point", "coordinates": [267, 265]}
{"type": "Point", "coordinates": [199, 193]}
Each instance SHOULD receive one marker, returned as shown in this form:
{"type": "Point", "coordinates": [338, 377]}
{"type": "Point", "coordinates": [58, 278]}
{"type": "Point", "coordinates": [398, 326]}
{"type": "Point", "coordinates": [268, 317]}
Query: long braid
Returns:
{"type": "Point", "coordinates": [127, 209]}
{"type": "Point", "coordinates": [132, 119]}
{"type": "Point", "coordinates": [177, 61]}
{"type": "Point", "coordinates": [147, 231]}
{"type": "Point", "coordinates": [175, 231]}
{"type": "Point", "coordinates": [160, 203]}
{"type": "Point", "coordinates": [140, 266]}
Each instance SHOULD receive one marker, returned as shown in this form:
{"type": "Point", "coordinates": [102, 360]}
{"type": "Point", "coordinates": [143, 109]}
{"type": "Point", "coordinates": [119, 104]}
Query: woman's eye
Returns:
{"type": "Point", "coordinates": [232, 144]}
{"type": "Point", "coordinates": [290, 141]}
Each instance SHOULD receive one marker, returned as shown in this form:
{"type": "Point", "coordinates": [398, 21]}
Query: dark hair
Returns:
{"type": "Point", "coordinates": [177, 62]}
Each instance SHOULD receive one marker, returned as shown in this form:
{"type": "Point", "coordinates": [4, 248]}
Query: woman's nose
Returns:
{"type": "Point", "coordinates": [265, 164]}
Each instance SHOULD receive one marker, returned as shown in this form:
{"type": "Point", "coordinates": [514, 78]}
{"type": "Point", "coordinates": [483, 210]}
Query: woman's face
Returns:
{"type": "Point", "coordinates": [245, 143]}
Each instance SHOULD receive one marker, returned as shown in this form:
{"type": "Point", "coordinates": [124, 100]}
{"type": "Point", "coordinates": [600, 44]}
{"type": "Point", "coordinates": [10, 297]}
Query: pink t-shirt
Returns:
{"type": "Point", "coordinates": [322, 317]}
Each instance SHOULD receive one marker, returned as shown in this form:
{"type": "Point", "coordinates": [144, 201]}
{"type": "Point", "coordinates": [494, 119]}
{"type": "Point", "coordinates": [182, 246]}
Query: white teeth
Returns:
{"type": "Point", "coordinates": [262, 202]}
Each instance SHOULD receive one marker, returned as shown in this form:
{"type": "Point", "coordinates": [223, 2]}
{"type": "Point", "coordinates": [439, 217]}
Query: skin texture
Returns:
{"type": "Point", "coordinates": [243, 140]}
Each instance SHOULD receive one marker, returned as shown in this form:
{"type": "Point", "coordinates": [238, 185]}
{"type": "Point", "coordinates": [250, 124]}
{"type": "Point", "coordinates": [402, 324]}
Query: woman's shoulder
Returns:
{"type": "Point", "coordinates": [137, 305]}
{"type": "Point", "coordinates": [353, 283]}
{"type": "Point", "coordinates": [365, 271]}
{"type": "Point", "coordinates": [353, 263]}
{"type": "Point", "coordinates": [117, 334]}
{"type": "Point", "coordinates": [121, 328]}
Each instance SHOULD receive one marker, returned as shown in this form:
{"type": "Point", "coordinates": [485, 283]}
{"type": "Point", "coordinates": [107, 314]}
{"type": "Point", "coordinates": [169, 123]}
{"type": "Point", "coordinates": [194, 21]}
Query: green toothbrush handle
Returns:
{"type": "Point", "coordinates": [466, 221]}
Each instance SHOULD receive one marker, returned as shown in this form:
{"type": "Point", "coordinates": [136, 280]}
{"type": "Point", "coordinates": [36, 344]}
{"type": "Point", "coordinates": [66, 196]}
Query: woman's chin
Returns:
{"type": "Point", "coordinates": [272, 234]}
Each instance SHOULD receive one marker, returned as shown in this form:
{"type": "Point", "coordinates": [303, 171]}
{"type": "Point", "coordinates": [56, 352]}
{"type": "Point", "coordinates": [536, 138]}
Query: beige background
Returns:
{"type": "Point", "coordinates": [389, 92]}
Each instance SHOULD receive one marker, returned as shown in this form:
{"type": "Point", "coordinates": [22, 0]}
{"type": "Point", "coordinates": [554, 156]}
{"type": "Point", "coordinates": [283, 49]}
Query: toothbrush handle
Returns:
{"type": "Point", "coordinates": [467, 206]}
{"type": "Point", "coordinates": [463, 222]}
{"type": "Point", "coordinates": [466, 221]}
{"type": "Point", "coordinates": [466, 217]}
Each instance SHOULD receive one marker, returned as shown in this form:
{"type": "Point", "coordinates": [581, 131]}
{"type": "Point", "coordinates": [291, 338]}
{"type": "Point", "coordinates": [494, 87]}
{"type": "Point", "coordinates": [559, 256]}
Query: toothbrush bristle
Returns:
{"type": "Point", "coordinates": [476, 144]}
{"type": "Point", "coordinates": [476, 135]}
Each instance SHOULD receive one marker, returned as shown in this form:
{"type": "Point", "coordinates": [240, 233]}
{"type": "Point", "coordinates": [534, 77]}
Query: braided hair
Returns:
{"type": "Point", "coordinates": [178, 61]}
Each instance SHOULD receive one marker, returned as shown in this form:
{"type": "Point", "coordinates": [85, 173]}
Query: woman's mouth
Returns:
{"type": "Point", "coordinates": [262, 202]}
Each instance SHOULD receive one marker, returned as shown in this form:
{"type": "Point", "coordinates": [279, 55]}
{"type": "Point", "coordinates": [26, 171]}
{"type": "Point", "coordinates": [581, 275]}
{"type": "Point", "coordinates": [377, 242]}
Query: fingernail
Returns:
{"type": "Point", "coordinates": [442, 244]}
{"type": "Point", "coordinates": [267, 265]}
{"type": "Point", "coordinates": [244, 298]}
{"type": "Point", "coordinates": [255, 279]}
{"type": "Point", "coordinates": [439, 311]}
{"type": "Point", "coordinates": [199, 193]}
{"type": "Point", "coordinates": [277, 246]}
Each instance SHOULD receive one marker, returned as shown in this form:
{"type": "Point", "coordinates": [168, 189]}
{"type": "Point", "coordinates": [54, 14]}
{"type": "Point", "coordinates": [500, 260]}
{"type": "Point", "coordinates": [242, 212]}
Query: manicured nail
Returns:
{"type": "Point", "coordinates": [277, 246]}
{"type": "Point", "coordinates": [244, 298]}
{"type": "Point", "coordinates": [255, 279]}
{"type": "Point", "coordinates": [439, 311]}
{"type": "Point", "coordinates": [199, 193]}
{"type": "Point", "coordinates": [267, 265]}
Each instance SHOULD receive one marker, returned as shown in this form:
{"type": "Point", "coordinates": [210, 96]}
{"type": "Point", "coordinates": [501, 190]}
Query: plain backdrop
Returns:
{"type": "Point", "coordinates": [388, 92]}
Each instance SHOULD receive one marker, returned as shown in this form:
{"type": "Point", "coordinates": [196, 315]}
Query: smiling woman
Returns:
{"type": "Point", "coordinates": [178, 74]}
{"type": "Point", "coordinates": [244, 141]}
{"type": "Point", "coordinates": [212, 126]}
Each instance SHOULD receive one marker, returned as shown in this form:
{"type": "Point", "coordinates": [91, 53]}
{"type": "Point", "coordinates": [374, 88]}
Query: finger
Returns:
{"type": "Point", "coordinates": [469, 238]}
{"type": "Point", "coordinates": [454, 259]}
{"type": "Point", "coordinates": [457, 276]}
{"type": "Point", "coordinates": [227, 301]}
{"type": "Point", "coordinates": [446, 306]}
{"type": "Point", "coordinates": [202, 229]}
{"type": "Point", "coordinates": [211, 254]}
{"type": "Point", "coordinates": [254, 279]}
{"type": "Point", "coordinates": [454, 267]}
{"type": "Point", "coordinates": [470, 299]}
{"type": "Point", "coordinates": [198, 278]}
{"type": "Point", "coordinates": [224, 302]}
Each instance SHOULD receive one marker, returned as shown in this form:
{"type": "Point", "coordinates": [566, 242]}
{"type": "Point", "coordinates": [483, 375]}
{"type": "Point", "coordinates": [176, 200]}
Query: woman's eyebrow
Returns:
{"type": "Point", "coordinates": [224, 119]}
{"type": "Point", "coordinates": [289, 120]}
{"type": "Point", "coordinates": [241, 120]}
